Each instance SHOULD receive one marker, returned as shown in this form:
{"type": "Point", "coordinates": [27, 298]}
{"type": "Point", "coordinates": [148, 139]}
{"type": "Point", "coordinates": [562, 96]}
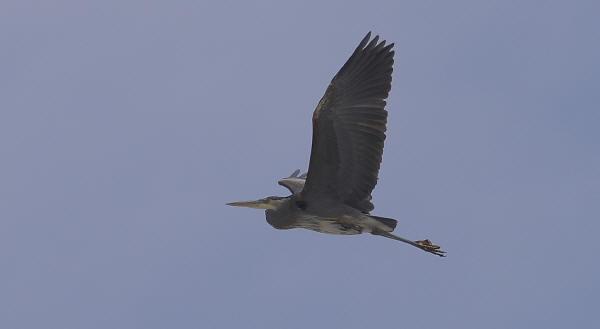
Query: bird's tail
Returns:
{"type": "Point", "coordinates": [391, 223]}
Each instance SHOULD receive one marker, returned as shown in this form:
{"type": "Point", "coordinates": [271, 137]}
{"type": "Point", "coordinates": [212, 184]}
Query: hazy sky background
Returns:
{"type": "Point", "coordinates": [125, 127]}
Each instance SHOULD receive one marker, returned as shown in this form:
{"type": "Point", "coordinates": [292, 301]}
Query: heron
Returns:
{"type": "Point", "coordinates": [349, 126]}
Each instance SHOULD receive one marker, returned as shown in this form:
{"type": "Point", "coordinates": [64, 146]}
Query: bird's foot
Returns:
{"type": "Point", "coordinates": [430, 247]}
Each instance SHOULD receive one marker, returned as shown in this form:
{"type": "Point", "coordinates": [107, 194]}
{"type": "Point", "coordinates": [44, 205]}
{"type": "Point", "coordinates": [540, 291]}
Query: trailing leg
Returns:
{"type": "Point", "coordinates": [425, 245]}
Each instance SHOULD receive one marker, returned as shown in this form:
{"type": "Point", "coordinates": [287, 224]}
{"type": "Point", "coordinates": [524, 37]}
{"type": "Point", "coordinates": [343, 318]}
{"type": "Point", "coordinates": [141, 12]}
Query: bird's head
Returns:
{"type": "Point", "coordinates": [270, 202]}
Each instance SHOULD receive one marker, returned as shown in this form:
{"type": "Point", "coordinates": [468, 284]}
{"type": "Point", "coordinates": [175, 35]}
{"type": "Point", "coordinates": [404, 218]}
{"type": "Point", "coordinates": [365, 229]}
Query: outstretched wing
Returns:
{"type": "Point", "coordinates": [294, 182]}
{"type": "Point", "coordinates": [349, 127]}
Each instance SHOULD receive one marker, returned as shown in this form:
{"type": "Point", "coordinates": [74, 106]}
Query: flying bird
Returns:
{"type": "Point", "coordinates": [349, 126]}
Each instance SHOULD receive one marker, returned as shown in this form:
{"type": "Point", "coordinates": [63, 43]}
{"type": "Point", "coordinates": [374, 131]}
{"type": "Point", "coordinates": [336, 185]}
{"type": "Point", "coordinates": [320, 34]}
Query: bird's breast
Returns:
{"type": "Point", "coordinates": [328, 225]}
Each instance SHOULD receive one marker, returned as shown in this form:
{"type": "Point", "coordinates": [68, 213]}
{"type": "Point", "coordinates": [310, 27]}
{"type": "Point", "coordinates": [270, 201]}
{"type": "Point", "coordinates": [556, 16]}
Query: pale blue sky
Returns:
{"type": "Point", "coordinates": [125, 127]}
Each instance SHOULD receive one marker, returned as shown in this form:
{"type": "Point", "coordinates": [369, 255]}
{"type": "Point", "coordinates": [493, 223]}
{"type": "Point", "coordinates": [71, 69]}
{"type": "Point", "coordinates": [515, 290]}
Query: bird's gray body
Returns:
{"type": "Point", "coordinates": [329, 217]}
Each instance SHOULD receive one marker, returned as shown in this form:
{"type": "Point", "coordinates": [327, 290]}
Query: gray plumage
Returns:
{"type": "Point", "coordinates": [349, 125]}
{"type": "Point", "coordinates": [294, 183]}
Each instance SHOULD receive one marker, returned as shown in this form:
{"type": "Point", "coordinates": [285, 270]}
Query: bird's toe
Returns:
{"type": "Point", "coordinates": [430, 247]}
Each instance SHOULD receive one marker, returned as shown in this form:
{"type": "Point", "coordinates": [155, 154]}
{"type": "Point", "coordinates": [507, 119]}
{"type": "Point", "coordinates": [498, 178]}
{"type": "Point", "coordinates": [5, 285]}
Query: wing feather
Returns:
{"type": "Point", "coordinates": [349, 126]}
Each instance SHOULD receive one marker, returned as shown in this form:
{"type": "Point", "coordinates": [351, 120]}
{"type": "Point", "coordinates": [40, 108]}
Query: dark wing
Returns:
{"type": "Point", "coordinates": [294, 183]}
{"type": "Point", "coordinates": [349, 127]}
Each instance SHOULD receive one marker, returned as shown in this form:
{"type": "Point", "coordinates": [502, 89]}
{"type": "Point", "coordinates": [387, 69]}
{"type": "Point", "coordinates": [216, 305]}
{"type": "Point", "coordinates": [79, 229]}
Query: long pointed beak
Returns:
{"type": "Point", "coordinates": [258, 204]}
